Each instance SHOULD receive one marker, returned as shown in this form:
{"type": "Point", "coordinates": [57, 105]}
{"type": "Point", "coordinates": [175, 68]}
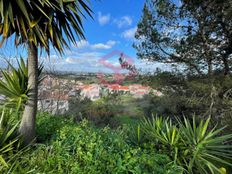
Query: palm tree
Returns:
{"type": "Point", "coordinates": [39, 24]}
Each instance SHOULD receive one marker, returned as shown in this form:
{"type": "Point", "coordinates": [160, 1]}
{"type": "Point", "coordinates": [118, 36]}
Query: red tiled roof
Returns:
{"type": "Point", "coordinates": [88, 87]}
{"type": "Point", "coordinates": [124, 88]}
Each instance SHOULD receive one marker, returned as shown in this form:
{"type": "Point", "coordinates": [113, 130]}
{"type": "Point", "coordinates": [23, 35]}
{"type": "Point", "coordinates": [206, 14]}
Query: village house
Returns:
{"type": "Point", "coordinates": [54, 93]}
{"type": "Point", "coordinates": [91, 91]}
{"type": "Point", "coordinates": [55, 102]}
{"type": "Point", "coordinates": [138, 91]}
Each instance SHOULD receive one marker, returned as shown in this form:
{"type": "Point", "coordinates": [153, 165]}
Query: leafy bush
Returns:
{"type": "Point", "coordinates": [161, 105]}
{"type": "Point", "coordinates": [47, 125]}
{"type": "Point", "coordinates": [188, 94]}
{"type": "Point", "coordinates": [77, 105]}
{"type": "Point", "coordinates": [194, 146]}
{"type": "Point", "coordinates": [101, 113]}
{"type": "Point", "coordinates": [84, 149]}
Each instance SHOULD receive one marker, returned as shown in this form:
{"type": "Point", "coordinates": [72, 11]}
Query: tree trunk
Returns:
{"type": "Point", "coordinates": [27, 126]}
{"type": "Point", "coordinates": [210, 68]}
{"type": "Point", "coordinates": [226, 66]}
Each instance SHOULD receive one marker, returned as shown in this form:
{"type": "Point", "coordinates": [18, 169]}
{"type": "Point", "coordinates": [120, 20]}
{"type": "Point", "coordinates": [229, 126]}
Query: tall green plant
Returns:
{"type": "Point", "coordinates": [40, 24]}
{"type": "Point", "coordinates": [205, 149]}
{"type": "Point", "coordinates": [14, 84]}
{"type": "Point", "coordinates": [9, 140]}
{"type": "Point", "coordinates": [189, 144]}
{"type": "Point", "coordinates": [165, 134]}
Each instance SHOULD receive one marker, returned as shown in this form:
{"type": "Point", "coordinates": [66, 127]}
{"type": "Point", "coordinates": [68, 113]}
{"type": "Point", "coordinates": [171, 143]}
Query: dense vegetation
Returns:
{"type": "Point", "coordinates": [151, 146]}
{"type": "Point", "coordinates": [194, 38]}
{"type": "Point", "coordinates": [40, 25]}
{"type": "Point", "coordinates": [117, 130]}
{"type": "Point", "coordinates": [187, 130]}
{"type": "Point", "coordinates": [66, 147]}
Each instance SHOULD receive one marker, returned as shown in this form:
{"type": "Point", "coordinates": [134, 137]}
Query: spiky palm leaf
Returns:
{"type": "Point", "coordinates": [7, 138]}
{"type": "Point", "coordinates": [43, 21]}
{"type": "Point", "coordinates": [14, 85]}
{"type": "Point", "coordinates": [206, 148]}
{"type": "Point", "coordinates": [10, 141]}
{"type": "Point", "coordinates": [165, 134]}
{"type": "Point", "coordinates": [191, 145]}
{"type": "Point", "coordinates": [40, 23]}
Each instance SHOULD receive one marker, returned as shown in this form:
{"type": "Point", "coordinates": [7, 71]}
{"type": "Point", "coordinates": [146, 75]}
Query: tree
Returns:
{"type": "Point", "coordinates": [128, 66]}
{"type": "Point", "coordinates": [197, 36]}
{"type": "Point", "coordinates": [39, 24]}
{"type": "Point", "coordinates": [194, 33]}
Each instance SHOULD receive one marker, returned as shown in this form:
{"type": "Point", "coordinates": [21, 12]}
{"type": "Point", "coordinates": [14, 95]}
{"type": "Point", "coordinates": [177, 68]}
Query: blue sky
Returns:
{"type": "Point", "coordinates": [112, 28]}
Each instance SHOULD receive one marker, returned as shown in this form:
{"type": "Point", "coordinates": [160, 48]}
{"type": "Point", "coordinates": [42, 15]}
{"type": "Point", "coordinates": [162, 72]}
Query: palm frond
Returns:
{"type": "Point", "coordinates": [44, 21]}
{"type": "Point", "coordinates": [14, 85]}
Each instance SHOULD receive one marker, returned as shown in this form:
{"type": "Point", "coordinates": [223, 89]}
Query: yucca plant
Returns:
{"type": "Point", "coordinates": [9, 140]}
{"type": "Point", "coordinates": [192, 145]}
{"type": "Point", "coordinates": [165, 134]}
{"type": "Point", "coordinates": [205, 149]}
{"type": "Point", "coordinates": [136, 136]}
{"type": "Point", "coordinates": [40, 24]}
{"type": "Point", "coordinates": [161, 128]}
{"type": "Point", "coordinates": [14, 84]}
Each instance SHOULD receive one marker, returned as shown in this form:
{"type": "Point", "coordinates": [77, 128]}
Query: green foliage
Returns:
{"type": "Point", "coordinates": [46, 126]}
{"type": "Point", "coordinates": [164, 105]}
{"type": "Point", "coordinates": [207, 148]}
{"type": "Point", "coordinates": [190, 144]}
{"type": "Point", "coordinates": [190, 94]}
{"type": "Point", "coordinates": [10, 142]}
{"type": "Point", "coordinates": [112, 109]}
{"type": "Point", "coordinates": [77, 105]}
{"type": "Point", "coordinates": [180, 33]}
{"type": "Point", "coordinates": [127, 120]}
{"type": "Point", "coordinates": [14, 85]}
{"type": "Point", "coordinates": [101, 113]}
{"type": "Point", "coordinates": [42, 22]}
{"type": "Point", "coordinates": [84, 149]}
{"type": "Point", "coordinates": [104, 111]}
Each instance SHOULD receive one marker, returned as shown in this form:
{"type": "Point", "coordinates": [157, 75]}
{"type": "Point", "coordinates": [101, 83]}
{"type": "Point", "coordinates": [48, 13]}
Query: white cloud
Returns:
{"type": "Point", "coordinates": [82, 44]}
{"type": "Point", "coordinates": [85, 44]}
{"type": "Point", "coordinates": [90, 54]}
{"type": "Point", "coordinates": [70, 60]}
{"type": "Point", "coordinates": [107, 45]}
{"type": "Point", "coordinates": [77, 57]}
{"type": "Point", "coordinates": [103, 19]}
{"type": "Point", "coordinates": [89, 61]}
{"type": "Point", "coordinates": [124, 21]}
{"type": "Point", "coordinates": [85, 62]}
{"type": "Point", "coordinates": [129, 34]}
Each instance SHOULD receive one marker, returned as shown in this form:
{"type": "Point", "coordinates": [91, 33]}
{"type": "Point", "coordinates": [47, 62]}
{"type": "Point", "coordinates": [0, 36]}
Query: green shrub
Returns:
{"type": "Point", "coordinates": [188, 94]}
{"type": "Point", "coordinates": [86, 150]}
{"type": "Point", "coordinates": [101, 113]}
{"type": "Point", "coordinates": [194, 146]}
{"type": "Point", "coordinates": [160, 105]}
{"type": "Point", "coordinates": [47, 125]}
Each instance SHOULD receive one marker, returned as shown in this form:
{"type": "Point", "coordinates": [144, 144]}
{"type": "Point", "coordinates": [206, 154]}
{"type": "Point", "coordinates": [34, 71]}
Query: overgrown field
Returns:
{"type": "Point", "coordinates": [157, 146]}
{"type": "Point", "coordinates": [66, 147]}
